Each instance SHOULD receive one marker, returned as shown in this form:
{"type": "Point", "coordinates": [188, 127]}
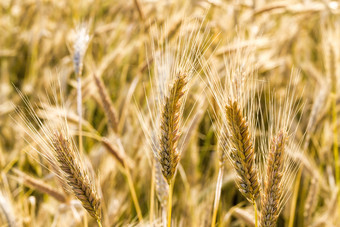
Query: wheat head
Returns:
{"type": "Point", "coordinates": [242, 152]}
{"type": "Point", "coordinates": [168, 153]}
{"type": "Point", "coordinates": [273, 186]}
{"type": "Point", "coordinates": [77, 178]}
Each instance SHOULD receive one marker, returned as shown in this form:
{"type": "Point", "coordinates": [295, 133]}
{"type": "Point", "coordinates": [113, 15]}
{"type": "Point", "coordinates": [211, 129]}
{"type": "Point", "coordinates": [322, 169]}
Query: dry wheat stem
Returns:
{"type": "Point", "coordinates": [76, 177]}
{"type": "Point", "coordinates": [242, 152]}
{"type": "Point", "coordinates": [273, 185]}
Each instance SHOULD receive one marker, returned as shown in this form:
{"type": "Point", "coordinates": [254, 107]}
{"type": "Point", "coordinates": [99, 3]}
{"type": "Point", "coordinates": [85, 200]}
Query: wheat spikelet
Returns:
{"type": "Point", "coordinates": [242, 152]}
{"type": "Point", "coordinates": [168, 153]}
{"type": "Point", "coordinates": [76, 177]}
{"type": "Point", "coordinates": [273, 186]}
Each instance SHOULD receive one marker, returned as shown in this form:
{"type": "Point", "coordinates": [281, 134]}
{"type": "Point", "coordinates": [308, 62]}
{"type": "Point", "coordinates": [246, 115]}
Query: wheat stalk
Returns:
{"type": "Point", "coordinates": [80, 45]}
{"type": "Point", "coordinates": [273, 187]}
{"type": "Point", "coordinates": [222, 144]}
{"type": "Point", "coordinates": [7, 212]}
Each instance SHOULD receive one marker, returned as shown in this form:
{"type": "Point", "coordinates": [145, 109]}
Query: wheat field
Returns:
{"type": "Point", "coordinates": [169, 113]}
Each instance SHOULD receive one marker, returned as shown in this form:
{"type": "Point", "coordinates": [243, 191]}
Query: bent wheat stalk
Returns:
{"type": "Point", "coordinates": [41, 186]}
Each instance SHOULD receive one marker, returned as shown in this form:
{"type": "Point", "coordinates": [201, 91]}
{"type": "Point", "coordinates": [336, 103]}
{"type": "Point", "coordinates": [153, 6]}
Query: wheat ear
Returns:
{"type": "Point", "coordinates": [273, 186]}
{"type": "Point", "coordinates": [77, 178]}
{"type": "Point", "coordinates": [242, 152]}
{"type": "Point", "coordinates": [168, 154]}
{"type": "Point", "coordinates": [170, 132]}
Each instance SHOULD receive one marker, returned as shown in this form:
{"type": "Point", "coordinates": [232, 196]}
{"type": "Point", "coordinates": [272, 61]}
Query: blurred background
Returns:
{"type": "Point", "coordinates": [36, 50]}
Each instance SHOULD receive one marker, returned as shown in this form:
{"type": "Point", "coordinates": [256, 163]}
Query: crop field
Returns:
{"type": "Point", "coordinates": [169, 113]}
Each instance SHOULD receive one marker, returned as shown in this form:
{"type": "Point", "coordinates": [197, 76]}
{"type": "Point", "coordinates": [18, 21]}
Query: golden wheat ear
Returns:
{"type": "Point", "coordinates": [270, 204]}
{"type": "Point", "coordinates": [54, 144]}
{"type": "Point", "coordinates": [170, 132]}
{"type": "Point", "coordinates": [77, 178]}
{"type": "Point", "coordinates": [242, 152]}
